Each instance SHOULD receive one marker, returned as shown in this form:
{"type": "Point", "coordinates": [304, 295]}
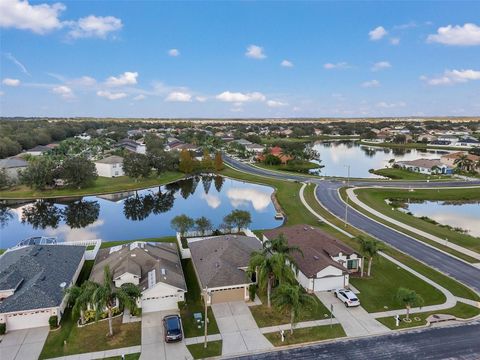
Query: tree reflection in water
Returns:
{"type": "Point", "coordinates": [5, 215]}
{"type": "Point", "coordinates": [139, 207]}
{"type": "Point", "coordinates": [80, 214]}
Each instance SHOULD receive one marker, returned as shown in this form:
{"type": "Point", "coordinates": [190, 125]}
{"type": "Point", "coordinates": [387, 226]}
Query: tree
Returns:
{"type": "Point", "coordinates": [78, 171]}
{"type": "Point", "coordinates": [280, 245]}
{"type": "Point", "coordinates": [105, 296]}
{"type": "Point", "coordinates": [163, 202]}
{"type": "Point", "coordinates": [42, 214]}
{"type": "Point", "coordinates": [80, 214]}
{"type": "Point", "coordinates": [136, 166]}
{"type": "Point", "coordinates": [207, 163]}
{"type": "Point", "coordinates": [182, 223]}
{"type": "Point", "coordinates": [5, 215]}
{"type": "Point", "coordinates": [186, 164]}
{"type": "Point", "coordinates": [79, 297]}
{"type": "Point", "coordinates": [219, 180]}
{"type": "Point", "coordinates": [272, 160]}
{"type": "Point", "coordinates": [4, 180]}
{"type": "Point", "coordinates": [203, 225]}
{"type": "Point", "coordinates": [219, 162]}
{"type": "Point", "coordinates": [408, 298]}
{"type": "Point", "coordinates": [463, 162]}
{"type": "Point", "coordinates": [137, 207]}
{"type": "Point", "coordinates": [292, 298]}
{"type": "Point", "coordinates": [162, 160]}
{"type": "Point", "coordinates": [370, 247]}
{"type": "Point", "coordinates": [40, 173]}
{"type": "Point", "coordinates": [238, 218]}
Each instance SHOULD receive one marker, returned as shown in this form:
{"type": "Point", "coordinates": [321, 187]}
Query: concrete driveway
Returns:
{"type": "Point", "coordinates": [238, 329]}
{"type": "Point", "coordinates": [23, 344]}
{"type": "Point", "coordinates": [356, 321]}
{"type": "Point", "coordinates": [153, 343]}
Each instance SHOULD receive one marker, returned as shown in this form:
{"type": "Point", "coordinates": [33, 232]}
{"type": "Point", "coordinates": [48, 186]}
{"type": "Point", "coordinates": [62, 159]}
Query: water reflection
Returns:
{"type": "Point", "coordinates": [258, 199]}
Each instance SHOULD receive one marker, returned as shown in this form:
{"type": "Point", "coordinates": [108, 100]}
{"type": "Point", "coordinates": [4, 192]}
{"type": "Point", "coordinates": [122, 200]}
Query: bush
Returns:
{"type": "Point", "coordinates": [3, 328]}
{"type": "Point", "coordinates": [252, 290]}
{"type": "Point", "coordinates": [53, 321]}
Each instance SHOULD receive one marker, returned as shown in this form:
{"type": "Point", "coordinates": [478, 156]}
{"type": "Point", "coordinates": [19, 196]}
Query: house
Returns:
{"type": "Point", "coordinates": [425, 166]}
{"type": "Point", "coordinates": [325, 263]}
{"type": "Point", "coordinates": [449, 159]}
{"type": "Point", "coordinates": [154, 267]}
{"type": "Point", "coordinates": [468, 142]}
{"type": "Point", "coordinates": [278, 152]}
{"type": "Point", "coordinates": [111, 166]}
{"type": "Point", "coordinates": [256, 148]}
{"type": "Point", "coordinates": [33, 280]}
{"type": "Point", "coordinates": [132, 145]}
{"type": "Point", "coordinates": [220, 263]}
{"type": "Point", "coordinates": [12, 167]}
{"type": "Point", "coordinates": [38, 150]}
{"type": "Point", "coordinates": [452, 139]}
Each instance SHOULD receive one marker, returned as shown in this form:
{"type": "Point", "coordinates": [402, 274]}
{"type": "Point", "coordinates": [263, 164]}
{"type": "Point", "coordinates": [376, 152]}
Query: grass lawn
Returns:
{"type": "Point", "coordinates": [85, 272]}
{"type": "Point", "coordinates": [461, 310]}
{"type": "Point", "coordinates": [375, 198]}
{"type": "Point", "coordinates": [102, 185]}
{"type": "Point", "coordinates": [107, 244]}
{"type": "Point", "coordinates": [409, 145]}
{"type": "Point", "coordinates": [305, 335]}
{"type": "Point", "coordinates": [194, 304]}
{"type": "Point", "coordinates": [299, 169]}
{"type": "Point", "coordinates": [134, 356]}
{"type": "Point", "coordinates": [378, 292]}
{"type": "Point", "coordinates": [89, 338]}
{"type": "Point", "coordinates": [214, 348]}
{"type": "Point", "coordinates": [270, 317]}
{"type": "Point", "coordinates": [402, 174]}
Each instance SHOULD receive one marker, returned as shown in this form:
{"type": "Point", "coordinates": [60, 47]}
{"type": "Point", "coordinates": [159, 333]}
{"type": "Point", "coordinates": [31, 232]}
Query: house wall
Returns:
{"type": "Point", "coordinates": [125, 279]}
{"type": "Point", "coordinates": [161, 297]}
{"type": "Point", "coordinates": [13, 173]}
{"type": "Point", "coordinates": [109, 170]}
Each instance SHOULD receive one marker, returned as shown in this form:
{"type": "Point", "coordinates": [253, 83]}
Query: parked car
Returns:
{"type": "Point", "coordinates": [347, 297]}
{"type": "Point", "coordinates": [172, 325]}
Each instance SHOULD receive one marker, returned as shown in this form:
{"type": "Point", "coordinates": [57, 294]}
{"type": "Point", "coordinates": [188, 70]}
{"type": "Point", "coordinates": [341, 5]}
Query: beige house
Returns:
{"type": "Point", "coordinates": [449, 159]}
{"type": "Point", "coordinates": [111, 166]}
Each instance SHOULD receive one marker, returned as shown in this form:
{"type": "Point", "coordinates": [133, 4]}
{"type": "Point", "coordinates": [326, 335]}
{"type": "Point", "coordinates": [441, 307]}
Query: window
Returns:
{"type": "Point", "coordinates": [352, 264]}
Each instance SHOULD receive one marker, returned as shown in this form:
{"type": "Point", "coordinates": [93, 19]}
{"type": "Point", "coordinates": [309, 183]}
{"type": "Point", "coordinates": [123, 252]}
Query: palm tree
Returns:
{"type": "Point", "coordinates": [370, 247]}
{"type": "Point", "coordinates": [292, 298]}
{"type": "Point", "coordinates": [106, 296]}
{"type": "Point", "coordinates": [477, 164]}
{"type": "Point", "coordinates": [463, 162]}
{"type": "Point", "coordinates": [409, 298]}
{"type": "Point", "coordinates": [280, 245]}
{"type": "Point", "coordinates": [79, 297]}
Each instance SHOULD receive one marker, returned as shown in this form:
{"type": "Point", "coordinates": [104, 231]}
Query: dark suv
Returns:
{"type": "Point", "coordinates": [173, 328]}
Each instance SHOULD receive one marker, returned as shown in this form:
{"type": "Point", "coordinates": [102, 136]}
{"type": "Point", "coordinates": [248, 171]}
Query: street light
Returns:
{"type": "Point", "coordinates": [346, 203]}
{"type": "Point", "coordinates": [206, 293]}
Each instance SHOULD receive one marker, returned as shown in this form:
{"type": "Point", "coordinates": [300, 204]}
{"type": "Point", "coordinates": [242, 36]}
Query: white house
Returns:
{"type": "Point", "coordinates": [33, 280]}
{"type": "Point", "coordinates": [111, 166]}
{"type": "Point", "coordinates": [325, 263]}
{"type": "Point", "coordinates": [425, 166]}
{"type": "Point", "coordinates": [12, 166]}
{"type": "Point", "coordinates": [154, 267]}
{"type": "Point", "coordinates": [38, 150]}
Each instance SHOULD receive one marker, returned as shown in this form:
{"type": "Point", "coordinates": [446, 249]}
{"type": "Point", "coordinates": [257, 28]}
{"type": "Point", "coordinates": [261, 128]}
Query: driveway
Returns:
{"type": "Point", "coordinates": [153, 343]}
{"type": "Point", "coordinates": [23, 344]}
{"type": "Point", "coordinates": [356, 321]}
{"type": "Point", "coordinates": [238, 329]}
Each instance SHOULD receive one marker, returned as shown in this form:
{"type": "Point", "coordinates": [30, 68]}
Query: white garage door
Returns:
{"type": "Point", "coordinates": [160, 304]}
{"type": "Point", "coordinates": [329, 283]}
{"type": "Point", "coordinates": [27, 320]}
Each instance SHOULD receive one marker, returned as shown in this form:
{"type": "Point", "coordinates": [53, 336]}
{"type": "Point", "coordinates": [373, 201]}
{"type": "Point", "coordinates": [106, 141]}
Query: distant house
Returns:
{"type": "Point", "coordinates": [256, 148]}
{"type": "Point", "coordinates": [278, 152]}
{"type": "Point", "coordinates": [425, 166]}
{"type": "Point", "coordinates": [38, 150]}
{"type": "Point", "coordinates": [132, 145]}
{"type": "Point", "coordinates": [33, 280]}
{"type": "Point", "coordinates": [111, 166]}
{"type": "Point", "coordinates": [155, 268]}
{"type": "Point", "coordinates": [12, 166]}
{"type": "Point", "coordinates": [449, 159]}
{"type": "Point", "coordinates": [221, 262]}
{"type": "Point", "coordinates": [326, 262]}
{"type": "Point", "coordinates": [469, 143]}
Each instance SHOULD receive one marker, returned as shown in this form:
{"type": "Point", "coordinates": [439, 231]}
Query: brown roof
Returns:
{"type": "Point", "coordinates": [456, 155]}
{"type": "Point", "coordinates": [317, 247]}
{"type": "Point", "coordinates": [423, 163]}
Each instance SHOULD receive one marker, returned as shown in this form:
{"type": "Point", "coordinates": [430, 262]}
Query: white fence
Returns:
{"type": "Point", "coordinates": [90, 254]}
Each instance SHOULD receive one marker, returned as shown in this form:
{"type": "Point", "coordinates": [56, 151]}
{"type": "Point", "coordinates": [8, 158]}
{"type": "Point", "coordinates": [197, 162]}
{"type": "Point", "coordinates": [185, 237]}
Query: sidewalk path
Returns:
{"type": "Point", "coordinates": [102, 354]}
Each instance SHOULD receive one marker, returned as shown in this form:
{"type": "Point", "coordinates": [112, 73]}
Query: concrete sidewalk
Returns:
{"type": "Point", "coordinates": [23, 344]}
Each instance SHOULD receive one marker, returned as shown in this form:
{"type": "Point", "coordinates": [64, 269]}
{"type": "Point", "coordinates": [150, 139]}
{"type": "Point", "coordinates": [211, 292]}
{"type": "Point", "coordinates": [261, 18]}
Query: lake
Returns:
{"type": "Point", "coordinates": [335, 155]}
{"type": "Point", "coordinates": [462, 215]}
{"type": "Point", "coordinates": [134, 215]}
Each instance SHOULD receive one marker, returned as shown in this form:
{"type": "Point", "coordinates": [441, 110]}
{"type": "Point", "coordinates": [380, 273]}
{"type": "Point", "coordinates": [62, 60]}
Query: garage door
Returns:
{"type": "Point", "coordinates": [221, 296]}
{"type": "Point", "coordinates": [160, 304]}
{"type": "Point", "coordinates": [27, 320]}
{"type": "Point", "coordinates": [329, 283]}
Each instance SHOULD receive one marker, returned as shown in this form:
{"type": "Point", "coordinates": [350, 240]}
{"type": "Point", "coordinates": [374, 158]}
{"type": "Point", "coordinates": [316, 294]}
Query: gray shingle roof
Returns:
{"type": "Point", "coordinates": [114, 159]}
{"type": "Point", "coordinates": [38, 271]}
{"type": "Point", "coordinates": [12, 162]}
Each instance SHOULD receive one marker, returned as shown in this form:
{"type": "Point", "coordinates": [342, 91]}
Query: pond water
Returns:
{"type": "Point", "coordinates": [335, 155]}
{"type": "Point", "coordinates": [134, 215]}
{"type": "Point", "coordinates": [464, 215]}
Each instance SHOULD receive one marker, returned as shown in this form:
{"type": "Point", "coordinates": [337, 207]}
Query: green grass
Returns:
{"type": "Point", "coordinates": [375, 198]}
{"type": "Point", "coordinates": [265, 316]}
{"type": "Point", "coordinates": [460, 310]}
{"type": "Point", "coordinates": [107, 244]}
{"type": "Point", "coordinates": [305, 335]}
{"type": "Point", "coordinates": [85, 272]}
{"type": "Point", "coordinates": [89, 338]}
{"type": "Point", "coordinates": [102, 185]}
{"type": "Point", "coordinates": [302, 168]}
{"type": "Point", "coordinates": [402, 174]}
{"type": "Point", "coordinates": [134, 356]}
{"type": "Point", "coordinates": [193, 304]}
{"type": "Point", "coordinates": [409, 145]}
{"type": "Point", "coordinates": [378, 292]}
{"type": "Point", "coordinates": [214, 348]}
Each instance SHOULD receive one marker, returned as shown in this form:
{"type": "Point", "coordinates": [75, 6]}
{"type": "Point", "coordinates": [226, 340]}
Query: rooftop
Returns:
{"type": "Point", "coordinates": [114, 159]}
{"type": "Point", "coordinates": [12, 162]}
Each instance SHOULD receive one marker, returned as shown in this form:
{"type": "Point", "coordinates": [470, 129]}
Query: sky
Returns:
{"type": "Point", "coordinates": [239, 59]}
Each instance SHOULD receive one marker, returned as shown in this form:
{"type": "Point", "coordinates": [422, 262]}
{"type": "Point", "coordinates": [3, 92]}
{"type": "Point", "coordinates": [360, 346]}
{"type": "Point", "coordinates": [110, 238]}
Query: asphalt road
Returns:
{"type": "Point", "coordinates": [452, 342]}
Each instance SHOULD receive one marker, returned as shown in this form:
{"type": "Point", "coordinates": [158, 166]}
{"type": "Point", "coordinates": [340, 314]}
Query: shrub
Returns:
{"type": "Point", "coordinates": [252, 290]}
{"type": "Point", "coordinates": [53, 321]}
{"type": "Point", "coordinates": [3, 328]}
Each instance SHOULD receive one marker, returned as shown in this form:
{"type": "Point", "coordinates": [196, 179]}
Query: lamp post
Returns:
{"type": "Point", "coordinates": [206, 293]}
{"type": "Point", "coordinates": [346, 203]}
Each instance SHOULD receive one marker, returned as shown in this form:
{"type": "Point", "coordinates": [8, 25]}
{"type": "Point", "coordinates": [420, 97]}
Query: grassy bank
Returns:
{"type": "Point", "coordinates": [214, 348]}
{"type": "Point", "coordinates": [402, 174]}
{"type": "Point", "coordinates": [305, 335]}
{"type": "Point", "coordinates": [411, 146]}
{"type": "Point", "coordinates": [107, 244]}
{"type": "Point", "coordinates": [101, 185]}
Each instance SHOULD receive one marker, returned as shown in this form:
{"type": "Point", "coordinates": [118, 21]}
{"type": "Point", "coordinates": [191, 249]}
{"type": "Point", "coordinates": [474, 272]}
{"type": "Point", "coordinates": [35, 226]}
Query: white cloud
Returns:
{"type": "Point", "coordinates": [17, 62]}
{"type": "Point", "coordinates": [381, 65]}
{"type": "Point", "coordinates": [386, 105]}
{"type": "Point", "coordinates": [178, 96]}
{"type": "Point", "coordinates": [286, 63]}
{"type": "Point", "coordinates": [173, 52]}
{"type": "Point", "coordinates": [466, 35]}
{"type": "Point", "coordinates": [274, 103]}
{"type": "Point", "coordinates": [64, 91]}
{"type": "Point", "coordinates": [40, 19]}
{"type": "Point", "coordinates": [110, 95]}
{"type": "Point", "coordinates": [242, 197]}
{"type": "Point", "coordinates": [394, 41]}
{"type": "Point", "coordinates": [255, 52]}
{"type": "Point", "coordinates": [201, 98]}
{"type": "Point", "coordinates": [339, 65]}
{"type": "Point", "coordinates": [450, 77]}
{"type": "Point", "coordinates": [127, 78]}
{"type": "Point", "coordinates": [371, 84]}
{"type": "Point", "coordinates": [83, 81]}
{"type": "Point", "coordinates": [378, 33]}
{"type": "Point", "coordinates": [139, 97]}
{"type": "Point", "coordinates": [94, 26]}
{"type": "Point", "coordinates": [239, 97]}
{"type": "Point", "coordinates": [212, 201]}
{"type": "Point", "coordinates": [10, 82]}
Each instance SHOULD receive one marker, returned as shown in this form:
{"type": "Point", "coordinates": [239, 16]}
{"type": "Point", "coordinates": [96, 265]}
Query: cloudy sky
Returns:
{"type": "Point", "coordinates": [250, 59]}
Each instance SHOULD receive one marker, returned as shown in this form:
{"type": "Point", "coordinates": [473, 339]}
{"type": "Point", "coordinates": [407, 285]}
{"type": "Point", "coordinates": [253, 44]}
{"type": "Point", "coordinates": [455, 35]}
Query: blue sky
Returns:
{"type": "Point", "coordinates": [239, 59]}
